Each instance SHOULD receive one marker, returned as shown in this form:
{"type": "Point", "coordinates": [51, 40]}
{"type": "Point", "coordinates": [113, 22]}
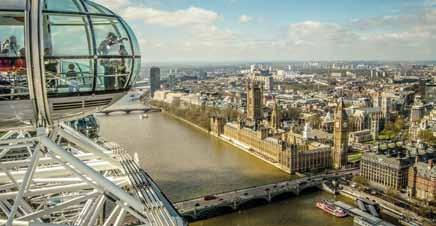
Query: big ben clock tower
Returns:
{"type": "Point", "coordinates": [340, 136]}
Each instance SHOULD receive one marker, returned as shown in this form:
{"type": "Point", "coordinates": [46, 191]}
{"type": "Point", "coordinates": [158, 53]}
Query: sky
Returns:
{"type": "Point", "coordinates": [281, 30]}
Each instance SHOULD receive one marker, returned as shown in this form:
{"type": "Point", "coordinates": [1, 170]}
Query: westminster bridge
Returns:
{"type": "Point", "coordinates": [212, 205]}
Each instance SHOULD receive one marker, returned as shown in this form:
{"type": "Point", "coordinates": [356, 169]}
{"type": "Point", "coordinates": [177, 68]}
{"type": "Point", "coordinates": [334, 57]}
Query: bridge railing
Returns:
{"type": "Point", "coordinates": [244, 189]}
{"type": "Point", "coordinates": [303, 179]}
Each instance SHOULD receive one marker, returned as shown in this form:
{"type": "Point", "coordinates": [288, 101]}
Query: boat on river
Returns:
{"type": "Point", "coordinates": [331, 208]}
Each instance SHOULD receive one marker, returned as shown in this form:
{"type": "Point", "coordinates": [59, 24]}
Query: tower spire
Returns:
{"type": "Point", "coordinates": [340, 147]}
{"type": "Point", "coordinates": [275, 117]}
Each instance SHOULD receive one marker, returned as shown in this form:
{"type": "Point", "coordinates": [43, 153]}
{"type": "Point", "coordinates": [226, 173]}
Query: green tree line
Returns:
{"type": "Point", "coordinates": [199, 115]}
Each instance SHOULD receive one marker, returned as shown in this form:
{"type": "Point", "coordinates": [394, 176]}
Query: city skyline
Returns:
{"type": "Point", "coordinates": [238, 30]}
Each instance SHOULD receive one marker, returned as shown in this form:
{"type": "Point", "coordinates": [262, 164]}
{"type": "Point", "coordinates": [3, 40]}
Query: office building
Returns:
{"type": "Point", "coordinates": [154, 80]}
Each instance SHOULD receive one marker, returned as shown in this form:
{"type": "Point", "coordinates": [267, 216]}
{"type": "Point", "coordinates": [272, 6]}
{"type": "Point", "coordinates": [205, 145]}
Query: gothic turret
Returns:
{"type": "Point", "coordinates": [275, 118]}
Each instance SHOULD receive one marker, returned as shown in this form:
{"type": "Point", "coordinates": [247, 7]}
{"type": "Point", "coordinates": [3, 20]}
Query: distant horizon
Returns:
{"type": "Point", "coordinates": [157, 63]}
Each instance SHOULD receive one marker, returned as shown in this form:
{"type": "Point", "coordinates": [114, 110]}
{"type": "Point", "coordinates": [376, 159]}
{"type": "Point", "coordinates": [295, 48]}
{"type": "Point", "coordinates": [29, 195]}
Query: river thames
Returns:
{"type": "Point", "coordinates": [188, 163]}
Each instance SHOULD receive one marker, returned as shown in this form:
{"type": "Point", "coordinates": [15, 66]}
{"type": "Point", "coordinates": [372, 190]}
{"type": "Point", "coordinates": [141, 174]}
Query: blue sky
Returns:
{"type": "Point", "coordinates": [259, 30]}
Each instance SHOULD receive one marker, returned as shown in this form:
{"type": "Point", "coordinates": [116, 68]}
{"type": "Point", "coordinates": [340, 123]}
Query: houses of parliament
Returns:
{"type": "Point", "coordinates": [291, 151]}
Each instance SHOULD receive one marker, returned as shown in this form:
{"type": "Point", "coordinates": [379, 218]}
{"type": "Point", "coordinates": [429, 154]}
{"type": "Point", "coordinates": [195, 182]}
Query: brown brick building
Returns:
{"type": "Point", "coordinates": [422, 181]}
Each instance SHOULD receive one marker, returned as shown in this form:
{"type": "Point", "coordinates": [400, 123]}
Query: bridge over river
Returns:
{"type": "Point", "coordinates": [203, 207]}
{"type": "Point", "coordinates": [130, 110]}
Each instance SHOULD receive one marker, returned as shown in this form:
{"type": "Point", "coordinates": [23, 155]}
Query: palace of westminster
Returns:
{"type": "Point", "coordinates": [288, 150]}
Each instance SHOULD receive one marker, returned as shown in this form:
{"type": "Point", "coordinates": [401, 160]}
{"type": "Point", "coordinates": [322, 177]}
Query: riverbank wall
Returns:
{"type": "Point", "coordinates": [186, 121]}
{"type": "Point", "coordinates": [247, 149]}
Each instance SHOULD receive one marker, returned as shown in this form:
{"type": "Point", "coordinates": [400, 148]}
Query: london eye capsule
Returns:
{"type": "Point", "coordinates": [61, 60]}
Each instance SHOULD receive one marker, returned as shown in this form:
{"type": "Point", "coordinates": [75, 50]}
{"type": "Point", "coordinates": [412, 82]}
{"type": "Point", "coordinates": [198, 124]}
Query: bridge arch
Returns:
{"type": "Point", "coordinates": [189, 217]}
{"type": "Point", "coordinates": [250, 203]}
{"type": "Point", "coordinates": [309, 189]}
{"type": "Point", "coordinates": [213, 212]}
{"type": "Point", "coordinates": [283, 195]}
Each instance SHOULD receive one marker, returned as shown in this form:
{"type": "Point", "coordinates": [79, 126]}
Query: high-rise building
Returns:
{"type": "Point", "coordinates": [252, 68]}
{"type": "Point", "coordinates": [340, 136]}
{"type": "Point", "coordinates": [154, 80]}
{"type": "Point", "coordinates": [172, 81]}
{"type": "Point", "coordinates": [254, 101]}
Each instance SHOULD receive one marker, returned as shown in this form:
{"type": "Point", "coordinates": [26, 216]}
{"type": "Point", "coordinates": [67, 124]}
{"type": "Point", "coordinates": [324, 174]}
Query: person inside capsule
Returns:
{"type": "Point", "coordinates": [73, 84]}
{"type": "Point", "coordinates": [108, 45]}
{"type": "Point", "coordinates": [13, 79]}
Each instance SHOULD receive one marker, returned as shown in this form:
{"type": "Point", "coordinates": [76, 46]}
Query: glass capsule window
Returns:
{"type": "Point", "coordinates": [63, 5]}
{"type": "Point", "coordinates": [69, 76]}
{"type": "Point", "coordinates": [111, 37]}
{"type": "Point", "coordinates": [67, 36]}
{"type": "Point", "coordinates": [87, 49]}
{"type": "Point", "coordinates": [13, 68]}
{"type": "Point", "coordinates": [96, 8]}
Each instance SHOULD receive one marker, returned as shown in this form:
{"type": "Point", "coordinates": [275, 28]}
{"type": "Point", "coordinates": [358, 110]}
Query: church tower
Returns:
{"type": "Point", "coordinates": [254, 101]}
{"type": "Point", "coordinates": [340, 136]}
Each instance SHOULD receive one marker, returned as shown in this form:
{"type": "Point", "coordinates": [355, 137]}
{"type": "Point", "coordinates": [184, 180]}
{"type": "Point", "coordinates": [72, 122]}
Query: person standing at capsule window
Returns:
{"type": "Point", "coordinates": [73, 85]}
{"type": "Point", "coordinates": [12, 46]}
{"type": "Point", "coordinates": [104, 49]}
{"type": "Point", "coordinates": [122, 67]}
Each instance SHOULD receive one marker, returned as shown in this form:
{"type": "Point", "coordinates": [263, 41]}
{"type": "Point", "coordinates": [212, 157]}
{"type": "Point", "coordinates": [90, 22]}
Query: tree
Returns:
{"type": "Point", "coordinates": [392, 129]}
{"type": "Point", "coordinates": [292, 113]}
{"type": "Point", "coordinates": [392, 193]}
{"type": "Point", "coordinates": [427, 136]}
{"type": "Point", "coordinates": [399, 124]}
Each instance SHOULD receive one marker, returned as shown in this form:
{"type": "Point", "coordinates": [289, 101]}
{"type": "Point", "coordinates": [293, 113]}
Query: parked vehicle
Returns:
{"type": "Point", "coordinates": [209, 197]}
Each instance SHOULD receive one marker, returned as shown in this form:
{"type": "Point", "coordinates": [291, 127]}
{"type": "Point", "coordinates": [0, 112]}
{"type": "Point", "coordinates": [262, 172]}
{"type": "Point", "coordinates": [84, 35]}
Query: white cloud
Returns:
{"type": "Point", "coordinates": [327, 41]}
{"type": "Point", "coordinates": [243, 19]}
{"type": "Point", "coordinates": [190, 16]}
{"type": "Point", "coordinates": [317, 33]}
{"type": "Point", "coordinates": [195, 33]}
{"type": "Point", "coordinates": [115, 5]}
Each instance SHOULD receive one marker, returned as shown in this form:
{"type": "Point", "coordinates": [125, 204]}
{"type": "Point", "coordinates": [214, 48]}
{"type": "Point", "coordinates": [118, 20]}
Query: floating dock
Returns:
{"type": "Point", "coordinates": [362, 218]}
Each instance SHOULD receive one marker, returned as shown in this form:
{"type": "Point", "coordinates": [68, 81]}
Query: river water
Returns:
{"type": "Point", "coordinates": [188, 163]}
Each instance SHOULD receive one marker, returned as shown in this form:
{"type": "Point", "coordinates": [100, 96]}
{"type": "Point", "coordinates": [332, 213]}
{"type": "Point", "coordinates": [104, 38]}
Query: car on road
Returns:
{"type": "Point", "coordinates": [209, 197]}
